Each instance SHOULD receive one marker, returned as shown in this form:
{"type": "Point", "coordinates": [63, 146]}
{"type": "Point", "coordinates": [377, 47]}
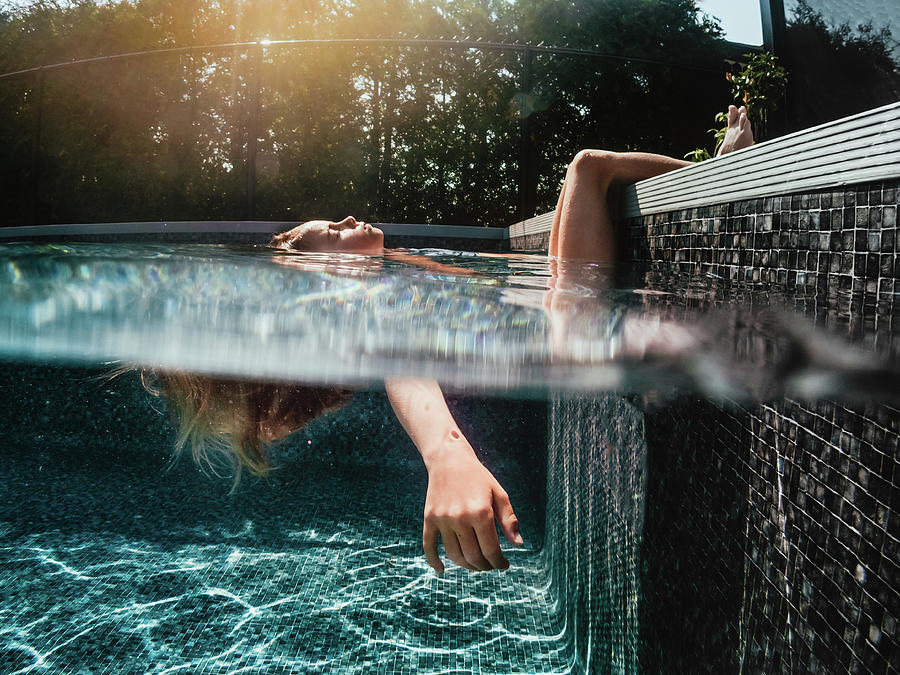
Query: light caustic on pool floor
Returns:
{"type": "Point", "coordinates": [342, 592]}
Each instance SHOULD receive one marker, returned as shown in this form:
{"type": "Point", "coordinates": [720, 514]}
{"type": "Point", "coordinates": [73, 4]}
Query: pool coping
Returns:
{"type": "Point", "coordinates": [833, 154]}
{"type": "Point", "coordinates": [237, 227]}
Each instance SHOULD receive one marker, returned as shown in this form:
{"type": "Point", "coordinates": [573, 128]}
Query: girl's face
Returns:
{"type": "Point", "coordinates": [346, 236]}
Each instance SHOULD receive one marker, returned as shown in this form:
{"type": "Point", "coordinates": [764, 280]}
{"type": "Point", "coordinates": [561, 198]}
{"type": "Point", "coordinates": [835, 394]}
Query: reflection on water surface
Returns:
{"type": "Point", "coordinates": [516, 322]}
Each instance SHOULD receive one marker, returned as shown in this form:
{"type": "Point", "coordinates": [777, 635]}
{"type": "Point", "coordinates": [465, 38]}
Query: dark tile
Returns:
{"type": "Point", "coordinates": [862, 217]}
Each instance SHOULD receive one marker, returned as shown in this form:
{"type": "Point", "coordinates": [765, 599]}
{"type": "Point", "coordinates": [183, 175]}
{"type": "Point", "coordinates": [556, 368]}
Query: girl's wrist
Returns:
{"type": "Point", "coordinates": [451, 446]}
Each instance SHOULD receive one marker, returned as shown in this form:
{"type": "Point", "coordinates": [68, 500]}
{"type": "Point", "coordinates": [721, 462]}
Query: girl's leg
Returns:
{"type": "Point", "coordinates": [582, 226]}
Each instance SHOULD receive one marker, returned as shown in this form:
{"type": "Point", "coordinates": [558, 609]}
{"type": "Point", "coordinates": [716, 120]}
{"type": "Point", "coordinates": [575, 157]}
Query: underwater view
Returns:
{"type": "Point", "coordinates": [117, 557]}
{"type": "Point", "coordinates": [597, 372]}
{"type": "Point", "coordinates": [115, 561]}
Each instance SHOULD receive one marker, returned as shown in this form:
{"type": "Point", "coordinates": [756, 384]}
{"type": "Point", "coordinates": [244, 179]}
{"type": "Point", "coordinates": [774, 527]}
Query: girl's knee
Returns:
{"type": "Point", "coordinates": [596, 162]}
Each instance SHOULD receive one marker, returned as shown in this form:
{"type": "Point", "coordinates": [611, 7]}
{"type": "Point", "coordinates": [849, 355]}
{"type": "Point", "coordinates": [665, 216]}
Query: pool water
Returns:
{"type": "Point", "coordinates": [111, 560]}
{"type": "Point", "coordinates": [475, 323]}
{"type": "Point", "coordinates": [114, 559]}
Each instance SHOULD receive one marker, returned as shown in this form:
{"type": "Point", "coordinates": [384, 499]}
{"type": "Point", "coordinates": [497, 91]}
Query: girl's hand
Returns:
{"type": "Point", "coordinates": [463, 498]}
{"type": "Point", "coordinates": [461, 505]}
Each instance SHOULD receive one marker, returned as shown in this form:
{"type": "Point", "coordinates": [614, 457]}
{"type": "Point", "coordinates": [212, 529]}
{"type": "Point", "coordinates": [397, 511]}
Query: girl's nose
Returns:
{"type": "Point", "coordinates": [347, 222]}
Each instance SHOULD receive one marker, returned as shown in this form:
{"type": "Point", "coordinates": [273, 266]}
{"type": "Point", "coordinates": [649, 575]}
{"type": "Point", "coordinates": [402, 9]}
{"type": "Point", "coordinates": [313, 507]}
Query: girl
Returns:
{"type": "Point", "coordinates": [463, 500]}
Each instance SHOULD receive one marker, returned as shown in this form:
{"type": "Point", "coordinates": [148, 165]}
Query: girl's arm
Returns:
{"type": "Point", "coordinates": [428, 264]}
{"type": "Point", "coordinates": [463, 498]}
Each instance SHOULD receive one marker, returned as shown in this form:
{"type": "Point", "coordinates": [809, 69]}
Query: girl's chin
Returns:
{"type": "Point", "coordinates": [375, 243]}
{"type": "Point", "coordinates": [370, 242]}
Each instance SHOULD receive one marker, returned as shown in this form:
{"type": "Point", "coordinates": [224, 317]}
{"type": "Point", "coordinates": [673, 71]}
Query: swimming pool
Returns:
{"type": "Point", "coordinates": [114, 560]}
{"type": "Point", "coordinates": [704, 451]}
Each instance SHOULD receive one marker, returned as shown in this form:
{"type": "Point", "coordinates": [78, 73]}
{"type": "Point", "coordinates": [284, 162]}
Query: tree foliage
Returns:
{"type": "Point", "coordinates": [388, 132]}
{"type": "Point", "coordinates": [835, 71]}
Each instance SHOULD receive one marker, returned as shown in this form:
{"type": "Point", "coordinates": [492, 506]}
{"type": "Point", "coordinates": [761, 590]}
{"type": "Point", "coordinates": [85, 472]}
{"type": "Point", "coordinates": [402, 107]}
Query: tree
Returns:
{"type": "Point", "coordinates": [835, 71]}
{"type": "Point", "coordinates": [615, 103]}
{"type": "Point", "coordinates": [387, 132]}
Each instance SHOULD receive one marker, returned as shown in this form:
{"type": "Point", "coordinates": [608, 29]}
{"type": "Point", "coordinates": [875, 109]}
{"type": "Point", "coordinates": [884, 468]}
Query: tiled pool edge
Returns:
{"type": "Point", "coordinates": [596, 483]}
{"type": "Point", "coordinates": [830, 239]}
{"type": "Point", "coordinates": [770, 542]}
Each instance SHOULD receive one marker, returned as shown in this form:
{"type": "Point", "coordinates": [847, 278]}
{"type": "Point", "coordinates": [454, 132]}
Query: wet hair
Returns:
{"type": "Point", "coordinates": [291, 239]}
{"type": "Point", "coordinates": [232, 421]}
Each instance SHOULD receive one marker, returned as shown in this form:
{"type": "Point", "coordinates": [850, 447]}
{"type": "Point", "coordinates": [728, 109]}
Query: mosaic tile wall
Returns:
{"type": "Point", "coordinates": [595, 518]}
{"type": "Point", "coordinates": [692, 551]}
{"type": "Point", "coordinates": [822, 576]}
{"type": "Point", "coordinates": [538, 241]}
{"type": "Point", "coordinates": [796, 528]}
{"type": "Point", "coordinates": [769, 539]}
{"type": "Point", "coordinates": [784, 558]}
{"type": "Point", "coordinates": [833, 240]}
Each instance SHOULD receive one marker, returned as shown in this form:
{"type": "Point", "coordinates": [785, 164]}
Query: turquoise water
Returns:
{"type": "Point", "coordinates": [473, 322]}
{"type": "Point", "coordinates": [114, 560]}
{"type": "Point", "coordinates": [111, 560]}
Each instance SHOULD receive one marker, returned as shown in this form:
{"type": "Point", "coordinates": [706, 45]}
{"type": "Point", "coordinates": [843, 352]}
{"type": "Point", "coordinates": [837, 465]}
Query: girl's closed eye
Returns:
{"type": "Point", "coordinates": [348, 236]}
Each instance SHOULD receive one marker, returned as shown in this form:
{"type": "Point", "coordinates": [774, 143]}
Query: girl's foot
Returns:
{"type": "Point", "coordinates": [739, 134]}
